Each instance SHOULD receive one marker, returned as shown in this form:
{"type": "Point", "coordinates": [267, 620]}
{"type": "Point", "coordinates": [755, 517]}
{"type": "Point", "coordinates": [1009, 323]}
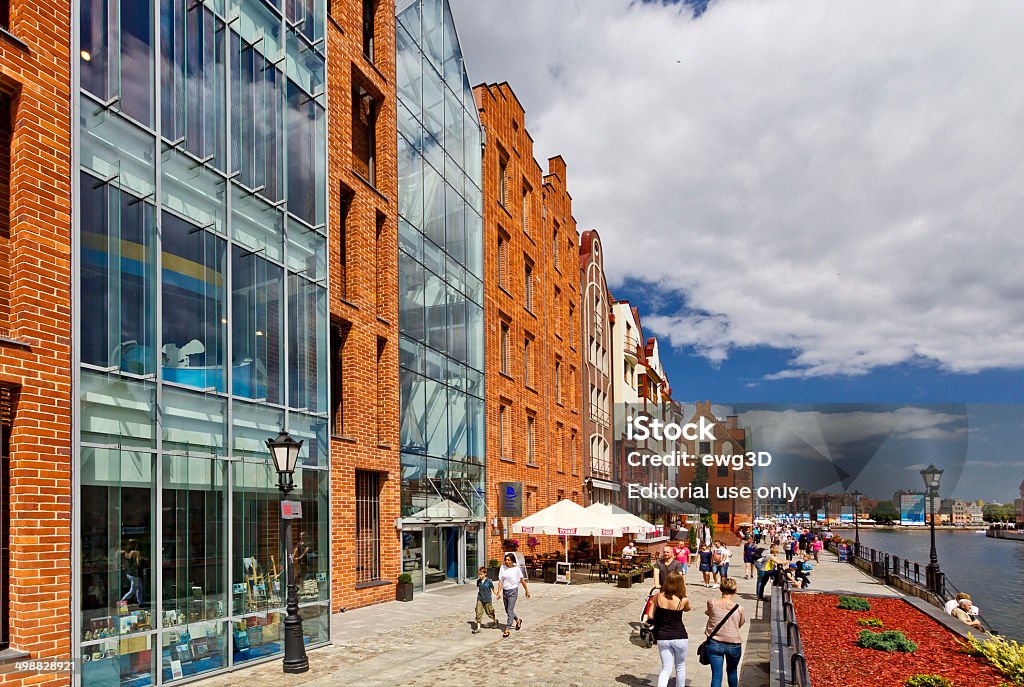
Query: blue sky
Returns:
{"type": "Point", "coordinates": [810, 202]}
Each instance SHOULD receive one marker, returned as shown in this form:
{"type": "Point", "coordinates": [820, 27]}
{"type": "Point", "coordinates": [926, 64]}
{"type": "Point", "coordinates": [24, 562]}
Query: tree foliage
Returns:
{"type": "Point", "coordinates": [886, 512]}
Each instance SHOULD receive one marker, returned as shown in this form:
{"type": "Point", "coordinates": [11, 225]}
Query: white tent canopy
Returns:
{"type": "Point", "coordinates": [442, 509]}
{"type": "Point", "coordinates": [629, 523]}
{"type": "Point", "coordinates": [568, 519]}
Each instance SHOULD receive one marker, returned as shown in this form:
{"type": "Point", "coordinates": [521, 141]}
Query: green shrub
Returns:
{"type": "Point", "coordinates": [890, 640]}
{"type": "Point", "coordinates": [493, 563]}
{"type": "Point", "coordinates": [927, 681]}
{"type": "Point", "coordinates": [1006, 655]}
{"type": "Point", "coordinates": [405, 578]}
{"type": "Point", "coordinates": [853, 603]}
{"type": "Point", "coordinates": [870, 622]}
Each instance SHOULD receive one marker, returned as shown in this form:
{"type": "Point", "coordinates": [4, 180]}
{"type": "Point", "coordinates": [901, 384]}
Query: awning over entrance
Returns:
{"type": "Point", "coordinates": [677, 506]}
{"type": "Point", "coordinates": [441, 512]}
{"type": "Point", "coordinates": [603, 484]}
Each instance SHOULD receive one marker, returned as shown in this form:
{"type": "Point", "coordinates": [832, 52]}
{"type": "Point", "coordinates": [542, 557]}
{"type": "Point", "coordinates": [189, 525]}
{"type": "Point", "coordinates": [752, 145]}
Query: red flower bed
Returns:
{"type": "Point", "coordinates": [829, 637]}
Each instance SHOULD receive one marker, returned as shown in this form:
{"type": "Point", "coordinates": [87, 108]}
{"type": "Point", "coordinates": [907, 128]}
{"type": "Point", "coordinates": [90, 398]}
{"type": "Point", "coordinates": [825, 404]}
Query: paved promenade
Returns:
{"type": "Point", "coordinates": [577, 635]}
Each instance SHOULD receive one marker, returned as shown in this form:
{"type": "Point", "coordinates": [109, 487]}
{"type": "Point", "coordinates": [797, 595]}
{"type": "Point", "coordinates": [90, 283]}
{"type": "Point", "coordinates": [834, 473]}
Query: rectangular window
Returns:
{"type": "Point", "coordinates": [705, 448]}
{"type": "Point", "coordinates": [5, 210]}
{"type": "Point", "coordinates": [339, 337]}
{"type": "Point", "coordinates": [364, 134]}
{"type": "Point", "coordinates": [558, 381]}
{"type": "Point", "coordinates": [504, 348]}
{"type": "Point", "coordinates": [367, 526]}
{"type": "Point", "coordinates": [556, 311]}
{"type": "Point", "coordinates": [256, 120]}
{"type": "Point", "coordinates": [381, 390]}
{"type": "Point", "coordinates": [573, 465]}
{"type": "Point", "coordinates": [502, 261]}
{"type": "Point", "coordinates": [503, 445]}
{"type": "Point", "coordinates": [722, 471]}
{"type": "Point", "coordinates": [502, 177]}
{"type": "Point", "coordinates": [346, 197]}
{"type": "Point", "coordinates": [526, 207]}
{"type": "Point", "coordinates": [530, 422]}
{"type": "Point", "coordinates": [528, 287]}
{"type": "Point", "coordinates": [554, 251]}
{"type": "Point", "coordinates": [572, 325]}
{"type": "Point", "coordinates": [6, 421]}
{"type": "Point", "coordinates": [724, 517]}
{"type": "Point", "coordinates": [369, 21]}
{"type": "Point", "coordinates": [527, 360]}
{"type": "Point", "coordinates": [380, 262]}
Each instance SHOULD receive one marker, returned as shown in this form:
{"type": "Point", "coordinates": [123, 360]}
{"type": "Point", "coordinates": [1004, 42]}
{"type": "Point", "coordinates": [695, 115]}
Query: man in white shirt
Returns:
{"type": "Point", "coordinates": [723, 566]}
{"type": "Point", "coordinates": [629, 550]}
{"type": "Point", "coordinates": [511, 576]}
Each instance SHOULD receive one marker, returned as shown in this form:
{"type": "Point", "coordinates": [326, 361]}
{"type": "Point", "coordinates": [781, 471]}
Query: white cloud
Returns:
{"type": "Point", "coordinates": [838, 179]}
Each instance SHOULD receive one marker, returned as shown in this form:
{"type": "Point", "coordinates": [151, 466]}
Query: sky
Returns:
{"type": "Point", "coordinates": [809, 202]}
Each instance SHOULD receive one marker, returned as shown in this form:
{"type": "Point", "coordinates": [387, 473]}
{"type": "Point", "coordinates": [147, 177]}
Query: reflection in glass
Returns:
{"type": "Point", "coordinates": [194, 316]}
{"type": "Point", "coordinates": [136, 77]}
{"type": "Point", "coordinates": [193, 546]}
{"type": "Point", "coordinates": [117, 278]}
{"type": "Point", "coordinates": [118, 547]}
{"type": "Point", "coordinates": [195, 649]}
{"type": "Point", "coordinates": [256, 314]}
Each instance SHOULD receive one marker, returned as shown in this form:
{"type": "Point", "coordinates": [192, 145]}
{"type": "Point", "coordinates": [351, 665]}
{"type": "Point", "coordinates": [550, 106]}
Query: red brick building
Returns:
{"type": "Point", "coordinates": [363, 268]}
{"type": "Point", "coordinates": [730, 439]}
{"type": "Point", "coordinates": [531, 294]}
{"type": "Point", "coordinates": [35, 334]}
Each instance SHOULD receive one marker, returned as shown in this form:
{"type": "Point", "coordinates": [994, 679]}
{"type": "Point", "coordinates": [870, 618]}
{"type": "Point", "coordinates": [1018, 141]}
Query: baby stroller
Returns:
{"type": "Point", "coordinates": [647, 619]}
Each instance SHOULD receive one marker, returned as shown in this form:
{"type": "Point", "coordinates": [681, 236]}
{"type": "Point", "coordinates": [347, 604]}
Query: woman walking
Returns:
{"type": "Point", "coordinates": [511, 576]}
{"type": "Point", "coordinates": [683, 556]}
{"type": "Point", "coordinates": [132, 567]}
{"type": "Point", "coordinates": [668, 628]}
{"type": "Point", "coordinates": [705, 564]}
{"type": "Point", "coordinates": [725, 617]}
{"type": "Point", "coordinates": [816, 547]}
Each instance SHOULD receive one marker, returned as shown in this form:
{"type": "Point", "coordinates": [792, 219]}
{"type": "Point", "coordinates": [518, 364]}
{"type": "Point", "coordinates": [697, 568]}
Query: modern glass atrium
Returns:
{"type": "Point", "coordinates": [440, 287]}
{"type": "Point", "coordinates": [201, 309]}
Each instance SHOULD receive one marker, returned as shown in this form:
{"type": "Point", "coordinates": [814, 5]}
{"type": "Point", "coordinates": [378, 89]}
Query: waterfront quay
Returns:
{"type": "Point", "coordinates": [573, 635]}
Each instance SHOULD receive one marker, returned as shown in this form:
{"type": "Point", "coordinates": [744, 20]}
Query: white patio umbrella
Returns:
{"type": "Point", "coordinates": [630, 523]}
{"type": "Point", "coordinates": [568, 519]}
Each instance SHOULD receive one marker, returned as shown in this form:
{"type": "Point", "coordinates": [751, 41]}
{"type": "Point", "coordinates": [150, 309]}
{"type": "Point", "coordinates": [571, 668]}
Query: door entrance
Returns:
{"type": "Point", "coordinates": [444, 560]}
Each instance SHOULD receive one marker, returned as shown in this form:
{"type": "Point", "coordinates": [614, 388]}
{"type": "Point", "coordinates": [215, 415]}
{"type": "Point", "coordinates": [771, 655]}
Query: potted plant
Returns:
{"type": "Point", "coordinates": [492, 568]}
{"type": "Point", "coordinates": [533, 543]}
{"type": "Point", "coordinates": [510, 544]}
{"type": "Point", "coordinates": [403, 590]}
{"type": "Point", "coordinates": [625, 580]}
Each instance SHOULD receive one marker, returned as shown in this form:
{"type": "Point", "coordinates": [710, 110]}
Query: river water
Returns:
{"type": "Point", "coordinates": [990, 570]}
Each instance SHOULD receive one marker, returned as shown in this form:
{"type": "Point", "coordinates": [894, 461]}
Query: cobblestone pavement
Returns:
{"type": "Point", "coordinates": [578, 635]}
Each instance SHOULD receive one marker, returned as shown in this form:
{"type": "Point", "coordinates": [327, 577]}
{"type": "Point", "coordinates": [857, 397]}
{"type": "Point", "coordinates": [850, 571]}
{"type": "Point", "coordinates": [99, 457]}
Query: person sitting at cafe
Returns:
{"type": "Point", "coordinates": [629, 550]}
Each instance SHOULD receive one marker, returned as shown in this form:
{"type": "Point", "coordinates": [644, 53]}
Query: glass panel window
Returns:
{"type": "Point", "coordinates": [193, 422]}
{"type": "Point", "coordinates": [193, 543]}
{"type": "Point", "coordinates": [256, 129]}
{"type": "Point", "coordinates": [253, 425]}
{"type": "Point", "coordinates": [257, 310]}
{"type": "Point", "coordinates": [117, 410]}
{"type": "Point", "coordinates": [118, 277]}
{"type": "Point", "coordinates": [195, 649]}
{"type": "Point", "coordinates": [194, 316]}
{"type": "Point", "coordinates": [305, 168]}
{"type": "Point", "coordinates": [112, 662]}
{"type": "Point", "coordinates": [307, 345]}
{"type": "Point", "coordinates": [413, 411]}
{"type": "Point", "coordinates": [118, 544]}
{"type": "Point", "coordinates": [94, 40]}
{"type": "Point", "coordinates": [257, 224]}
{"type": "Point", "coordinates": [136, 77]}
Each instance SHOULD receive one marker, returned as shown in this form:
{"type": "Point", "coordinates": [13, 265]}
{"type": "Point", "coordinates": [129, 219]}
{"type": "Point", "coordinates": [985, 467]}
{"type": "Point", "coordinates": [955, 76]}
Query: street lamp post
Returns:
{"type": "Point", "coordinates": [933, 574]}
{"type": "Point", "coordinates": [285, 451]}
{"type": "Point", "coordinates": [856, 522]}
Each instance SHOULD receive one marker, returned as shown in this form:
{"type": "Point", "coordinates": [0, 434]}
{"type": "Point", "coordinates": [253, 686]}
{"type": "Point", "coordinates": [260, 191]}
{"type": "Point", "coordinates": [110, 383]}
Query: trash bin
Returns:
{"type": "Point", "coordinates": [878, 568]}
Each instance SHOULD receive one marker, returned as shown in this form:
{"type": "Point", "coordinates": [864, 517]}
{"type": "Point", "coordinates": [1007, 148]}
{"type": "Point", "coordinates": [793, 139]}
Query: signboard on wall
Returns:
{"type": "Point", "coordinates": [510, 499]}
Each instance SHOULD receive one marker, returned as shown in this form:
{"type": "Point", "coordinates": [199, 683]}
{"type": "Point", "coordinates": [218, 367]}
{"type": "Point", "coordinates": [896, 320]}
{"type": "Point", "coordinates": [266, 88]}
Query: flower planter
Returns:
{"type": "Point", "coordinates": [625, 581]}
{"type": "Point", "coordinates": [492, 573]}
{"type": "Point", "coordinates": [549, 575]}
{"type": "Point", "coordinates": [403, 592]}
{"type": "Point", "coordinates": [829, 638]}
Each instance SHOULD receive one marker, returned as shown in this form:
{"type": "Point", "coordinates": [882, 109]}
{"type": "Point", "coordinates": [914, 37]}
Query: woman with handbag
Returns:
{"type": "Point", "coordinates": [673, 641]}
{"type": "Point", "coordinates": [724, 644]}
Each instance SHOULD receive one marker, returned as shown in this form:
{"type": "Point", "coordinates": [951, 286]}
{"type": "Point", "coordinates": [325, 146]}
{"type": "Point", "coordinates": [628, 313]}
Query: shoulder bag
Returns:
{"type": "Point", "coordinates": [702, 650]}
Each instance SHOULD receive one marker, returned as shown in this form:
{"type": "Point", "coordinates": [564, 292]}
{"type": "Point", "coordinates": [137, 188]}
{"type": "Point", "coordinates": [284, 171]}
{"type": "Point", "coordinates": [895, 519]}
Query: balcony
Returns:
{"type": "Point", "coordinates": [631, 346]}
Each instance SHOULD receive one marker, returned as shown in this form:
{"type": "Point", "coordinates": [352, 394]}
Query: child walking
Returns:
{"type": "Point", "coordinates": [485, 596]}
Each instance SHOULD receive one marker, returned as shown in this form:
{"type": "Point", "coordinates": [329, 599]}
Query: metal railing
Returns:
{"type": "Point", "coordinates": [791, 665]}
{"type": "Point", "coordinates": [884, 564]}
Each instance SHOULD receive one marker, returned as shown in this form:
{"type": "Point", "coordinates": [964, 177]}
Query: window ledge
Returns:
{"type": "Point", "coordinates": [348, 303]}
{"type": "Point", "coordinates": [17, 343]}
{"type": "Point", "coordinates": [17, 42]}
{"type": "Point", "coordinates": [8, 655]}
{"type": "Point", "coordinates": [503, 459]}
{"type": "Point", "coordinates": [373, 583]}
{"type": "Point", "coordinates": [532, 465]}
{"type": "Point", "coordinates": [385, 447]}
{"type": "Point", "coordinates": [383, 320]}
{"type": "Point", "coordinates": [507, 376]}
{"type": "Point", "coordinates": [370, 186]}
{"type": "Point", "coordinates": [346, 439]}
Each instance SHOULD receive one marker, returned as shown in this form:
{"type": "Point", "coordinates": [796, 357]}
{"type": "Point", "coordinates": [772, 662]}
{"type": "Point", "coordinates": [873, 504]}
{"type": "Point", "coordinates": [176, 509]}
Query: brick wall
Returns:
{"type": "Point", "coordinates": [363, 293]}
{"type": "Point", "coordinates": [37, 76]}
{"type": "Point", "coordinates": [551, 474]}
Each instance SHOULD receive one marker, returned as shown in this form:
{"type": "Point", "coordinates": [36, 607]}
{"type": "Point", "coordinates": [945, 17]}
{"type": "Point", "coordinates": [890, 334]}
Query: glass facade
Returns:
{"type": "Point", "coordinates": [203, 330]}
{"type": "Point", "coordinates": [440, 271]}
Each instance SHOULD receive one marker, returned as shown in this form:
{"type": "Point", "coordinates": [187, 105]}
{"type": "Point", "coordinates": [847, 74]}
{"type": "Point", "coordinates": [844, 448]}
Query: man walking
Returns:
{"type": "Point", "coordinates": [666, 563]}
{"type": "Point", "coordinates": [511, 576]}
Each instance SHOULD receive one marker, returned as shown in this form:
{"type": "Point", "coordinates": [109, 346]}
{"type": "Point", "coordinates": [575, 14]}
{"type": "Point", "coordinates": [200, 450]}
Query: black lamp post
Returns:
{"type": "Point", "coordinates": [932, 476]}
{"type": "Point", "coordinates": [856, 522]}
{"type": "Point", "coordinates": [285, 452]}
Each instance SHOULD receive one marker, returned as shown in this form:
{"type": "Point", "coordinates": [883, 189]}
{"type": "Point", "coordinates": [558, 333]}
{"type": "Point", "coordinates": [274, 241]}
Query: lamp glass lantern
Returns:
{"type": "Point", "coordinates": [932, 477]}
{"type": "Point", "coordinates": [285, 452]}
